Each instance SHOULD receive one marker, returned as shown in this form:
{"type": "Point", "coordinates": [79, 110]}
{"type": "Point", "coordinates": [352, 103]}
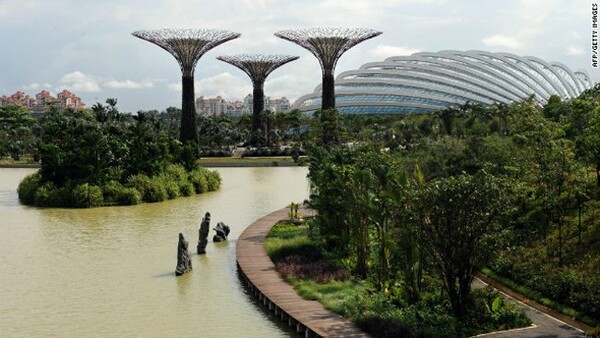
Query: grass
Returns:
{"type": "Point", "coordinates": [10, 161]}
{"type": "Point", "coordinates": [333, 295]}
{"type": "Point", "coordinates": [532, 294]}
{"type": "Point", "coordinates": [246, 159]}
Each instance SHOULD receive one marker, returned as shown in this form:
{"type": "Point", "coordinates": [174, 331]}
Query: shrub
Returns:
{"type": "Point", "coordinates": [28, 187]}
{"type": "Point", "coordinates": [111, 191]}
{"type": "Point", "coordinates": [116, 193]}
{"type": "Point", "coordinates": [129, 196]}
{"type": "Point", "coordinates": [201, 184]}
{"type": "Point", "coordinates": [151, 189]}
{"type": "Point", "coordinates": [87, 195]}
{"type": "Point", "coordinates": [140, 182]}
{"type": "Point", "coordinates": [187, 189]}
{"type": "Point", "coordinates": [48, 195]}
{"type": "Point", "coordinates": [213, 179]}
{"type": "Point", "coordinates": [198, 179]}
{"type": "Point", "coordinates": [156, 192]}
{"type": "Point", "coordinates": [171, 187]}
{"type": "Point", "coordinates": [178, 175]}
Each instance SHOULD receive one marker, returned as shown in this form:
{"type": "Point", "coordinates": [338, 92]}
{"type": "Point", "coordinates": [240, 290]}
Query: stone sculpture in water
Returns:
{"type": "Point", "coordinates": [203, 234]}
{"type": "Point", "coordinates": [222, 232]}
{"type": "Point", "coordinates": [184, 261]}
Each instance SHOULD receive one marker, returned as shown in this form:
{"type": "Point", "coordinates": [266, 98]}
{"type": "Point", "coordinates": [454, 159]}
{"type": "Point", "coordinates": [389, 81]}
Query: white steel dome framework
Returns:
{"type": "Point", "coordinates": [428, 82]}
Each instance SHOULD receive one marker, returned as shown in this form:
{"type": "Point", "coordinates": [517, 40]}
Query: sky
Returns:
{"type": "Point", "coordinates": [86, 46]}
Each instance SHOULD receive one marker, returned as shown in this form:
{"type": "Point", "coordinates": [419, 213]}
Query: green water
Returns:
{"type": "Point", "coordinates": [109, 272]}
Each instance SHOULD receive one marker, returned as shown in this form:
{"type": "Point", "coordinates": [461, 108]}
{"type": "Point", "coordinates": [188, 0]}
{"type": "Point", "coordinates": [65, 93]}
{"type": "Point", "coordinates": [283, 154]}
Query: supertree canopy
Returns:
{"type": "Point", "coordinates": [258, 67]}
{"type": "Point", "coordinates": [327, 44]}
{"type": "Point", "coordinates": [187, 46]}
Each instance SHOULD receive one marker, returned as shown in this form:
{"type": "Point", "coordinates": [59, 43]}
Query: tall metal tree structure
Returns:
{"type": "Point", "coordinates": [327, 44]}
{"type": "Point", "coordinates": [187, 46]}
{"type": "Point", "coordinates": [258, 67]}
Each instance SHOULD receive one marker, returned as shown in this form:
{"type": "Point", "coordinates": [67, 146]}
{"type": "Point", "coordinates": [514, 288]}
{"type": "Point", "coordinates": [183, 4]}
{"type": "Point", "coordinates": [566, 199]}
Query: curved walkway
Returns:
{"type": "Point", "coordinates": [258, 271]}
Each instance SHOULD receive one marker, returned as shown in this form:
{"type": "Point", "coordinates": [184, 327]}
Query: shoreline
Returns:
{"type": "Point", "coordinates": [235, 163]}
{"type": "Point", "coordinates": [306, 317]}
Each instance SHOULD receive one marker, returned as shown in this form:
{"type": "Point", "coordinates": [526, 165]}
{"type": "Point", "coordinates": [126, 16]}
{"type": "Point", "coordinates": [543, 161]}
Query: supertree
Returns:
{"type": "Point", "coordinates": [258, 67]}
{"type": "Point", "coordinates": [187, 46]}
{"type": "Point", "coordinates": [327, 44]}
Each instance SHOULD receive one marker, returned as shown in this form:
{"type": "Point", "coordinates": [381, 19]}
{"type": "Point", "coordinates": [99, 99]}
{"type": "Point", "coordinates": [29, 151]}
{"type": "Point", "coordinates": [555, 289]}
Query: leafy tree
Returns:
{"type": "Point", "coordinates": [16, 125]}
{"type": "Point", "coordinates": [589, 141]}
{"type": "Point", "coordinates": [330, 127]}
{"type": "Point", "coordinates": [459, 218]}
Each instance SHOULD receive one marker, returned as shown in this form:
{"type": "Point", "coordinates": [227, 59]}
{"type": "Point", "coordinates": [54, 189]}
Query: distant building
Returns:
{"type": "Point", "coordinates": [210, 106]}
{"type": "Point", "coordinates": [43, 100]}
{"type": "Point", "coordinates": [235, 108]}
{"type": "Point", "coordinates": [66, 100]}
{"type": "Point", "coordinates": [427, 82]}
{"type": "Point", "coordinates": [18, 98]}
{"type": "Point", "coordinates": [277, 105]}
{"type": "Point", "coordinates": [218, 105]}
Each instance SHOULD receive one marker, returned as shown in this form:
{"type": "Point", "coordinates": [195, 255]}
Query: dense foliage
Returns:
{"type": "Point", "coordinates": [316, 277]}
{"type": "Point", "coordinates": [416, 205]}
{"type": "Point", "coordinates": [104, 157]}
{"type": "Point", "coordinates": [16, 126]}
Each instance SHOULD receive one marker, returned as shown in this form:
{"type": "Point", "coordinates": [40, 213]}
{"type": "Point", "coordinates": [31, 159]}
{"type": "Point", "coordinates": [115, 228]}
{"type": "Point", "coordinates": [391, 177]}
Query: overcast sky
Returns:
{"type": "Point", "coordinates": [86, 46]}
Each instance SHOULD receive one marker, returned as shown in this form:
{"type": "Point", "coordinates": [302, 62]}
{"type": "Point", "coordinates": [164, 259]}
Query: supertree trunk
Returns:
{"type": "Point", "coordinates": [188, 131]}
{"type": "Point", "coordinates": [258, 102]}
{"type": "Point", "coordinates": [328, 100]}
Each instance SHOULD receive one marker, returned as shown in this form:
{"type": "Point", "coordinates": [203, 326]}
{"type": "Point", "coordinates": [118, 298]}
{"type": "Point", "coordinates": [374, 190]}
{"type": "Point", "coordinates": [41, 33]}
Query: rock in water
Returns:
{"type": "Point", "coordinates": [222, 232]}
{"type": "Point", "coordinates": [203, 234]}
{"type": "Point", "coordinates": [184, 261]}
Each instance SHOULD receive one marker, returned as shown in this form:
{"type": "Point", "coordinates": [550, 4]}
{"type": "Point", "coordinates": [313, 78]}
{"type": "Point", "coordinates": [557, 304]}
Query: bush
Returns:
{"type": "Point", "coordinates": [187, 189]}
{"type": "Point", "coordinates": [178, 175]}
{"type": "Point", "coordinates": [129, 196]}
{"type": "Point", "coordinates": [171, 187]}
{"type": "Point", "coordinates": [199, 181]}
{"type": "Point", "coordinates": [140, 182]}
{"type": "Point", "coordinates": [116, 193]}
{"type": "Point", "coordinates": [48, 195]}
{"type": "Point", "coordinates": [111, 191]}
{"type": "Point", "coordinates": [151, 189]}
{"type": "Point", "coordinates": [156, 192]}
{"type": "Point", "coordinates": [213, 179]}
{"type": "Point", "coordinates": [87, 196]}
{"type": "Point", "coordinates": [28, 187]}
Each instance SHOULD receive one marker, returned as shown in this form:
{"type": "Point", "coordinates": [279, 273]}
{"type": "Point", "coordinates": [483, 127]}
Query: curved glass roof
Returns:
{"type": "Point", "coordinates": [426, 82]}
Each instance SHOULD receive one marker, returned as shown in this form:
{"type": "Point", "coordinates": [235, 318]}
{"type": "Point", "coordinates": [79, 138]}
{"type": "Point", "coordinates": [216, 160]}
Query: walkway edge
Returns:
{"type": "Point", "coordinates": [259, 274]}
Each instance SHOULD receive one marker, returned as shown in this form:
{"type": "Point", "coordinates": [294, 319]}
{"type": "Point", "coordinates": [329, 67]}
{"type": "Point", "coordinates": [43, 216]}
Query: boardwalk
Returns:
{"type": "Point", "coordinates": [307, 317]}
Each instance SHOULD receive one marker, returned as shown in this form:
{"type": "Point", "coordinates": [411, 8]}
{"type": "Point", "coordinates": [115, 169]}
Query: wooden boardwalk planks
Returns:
{"type": "Point", "coordinates": [258, 271]}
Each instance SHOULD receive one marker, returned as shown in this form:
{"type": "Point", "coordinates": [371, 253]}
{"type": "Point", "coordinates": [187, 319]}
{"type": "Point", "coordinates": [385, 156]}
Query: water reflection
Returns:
{"type": "Point", "coordinates": [110, 271]}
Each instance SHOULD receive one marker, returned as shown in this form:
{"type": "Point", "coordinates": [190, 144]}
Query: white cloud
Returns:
{"type": "Point", "coordinates": [174, 86]}
{"type": "Point", "coordinates": [128, 84]}
{"type": "Point", "coordinates": [80, 82]}
{"type": "Point", "coordinates": [574, 50]}
{"type": "Point", "coordinates": [500, 40]}
{"type": "Point", "coordinates": [289, 85]}
{"type": "Point", "coordinates": [9, 9]}
{"type": "Point", "coordinates": [224, 84]}
{"type": "Point", "coordinates": [36, 86]}
{"type": "Point", "coordinates": [33, 86]}
{"type": "Point", "coordinates": [384, 51]}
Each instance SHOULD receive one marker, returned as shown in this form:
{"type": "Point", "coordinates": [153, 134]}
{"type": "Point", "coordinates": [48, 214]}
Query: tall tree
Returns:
{"type": "Point", "coordinates": [459, 222]}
